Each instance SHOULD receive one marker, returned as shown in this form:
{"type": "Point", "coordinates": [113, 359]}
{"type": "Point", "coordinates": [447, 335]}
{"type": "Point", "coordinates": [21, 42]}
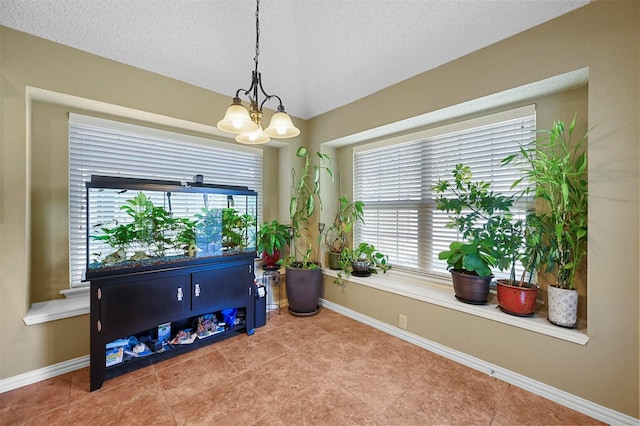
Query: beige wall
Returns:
{"type": "Point", "coordinates": [603, 36]}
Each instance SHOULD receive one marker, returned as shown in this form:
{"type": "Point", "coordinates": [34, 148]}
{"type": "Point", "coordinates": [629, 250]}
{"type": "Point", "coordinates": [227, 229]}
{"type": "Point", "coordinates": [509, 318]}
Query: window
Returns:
{"type": "Point", "coordinates": [109, 148]}
{"type": "Point", "coordinates": [393, 178]}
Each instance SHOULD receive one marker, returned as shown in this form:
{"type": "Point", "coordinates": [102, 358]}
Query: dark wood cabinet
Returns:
{"type": "Point", "coordinates": [125, 305]}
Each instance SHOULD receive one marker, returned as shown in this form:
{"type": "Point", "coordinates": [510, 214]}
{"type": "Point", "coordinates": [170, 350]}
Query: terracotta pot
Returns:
{"type": "Point", "coordinates": [269, 262]}
{"type": "Point", "coordinates": [515, 300]}
{"type": "Point", "coordinates": [304, 288]}
{"type": "Point", "coordinates": [470, 288]}
{"type": "Point", "coordinates": [563, 307]}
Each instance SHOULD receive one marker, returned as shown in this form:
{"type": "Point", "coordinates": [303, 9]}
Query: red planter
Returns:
{"type": "Point", "coordinates": [269, 262]}
{"type": "Point", "coordinates": [519, 301]}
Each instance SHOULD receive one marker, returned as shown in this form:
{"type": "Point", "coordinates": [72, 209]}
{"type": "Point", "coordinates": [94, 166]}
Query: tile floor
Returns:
{"type": "Point", "coordinates": [322, 370]}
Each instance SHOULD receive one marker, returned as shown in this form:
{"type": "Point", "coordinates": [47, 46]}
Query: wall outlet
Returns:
{"type": "Point", "coordinates": [402, 321]}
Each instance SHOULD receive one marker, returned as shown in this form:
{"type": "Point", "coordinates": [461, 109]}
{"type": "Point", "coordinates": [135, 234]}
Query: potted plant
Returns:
{"type": "Point", "coordinates": [482, 217]}
{"type": "Point", "coordinates": [335, 239]}
{"type": "Point", "coordinates": [303, 276]}
{"type": "Point", "coordinates": [272, 239]}
{"type": "Point", "coordinates": [558, 168]}
{"type": "Point", "coordinates": [361, 261]}
{"type": "Point", "coordinates": [520, 243]}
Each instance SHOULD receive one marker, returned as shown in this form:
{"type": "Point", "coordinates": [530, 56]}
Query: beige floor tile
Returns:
{"type": "Point", "coordinates": [33, 400]}
{"type": "Point", "coordinates": [430, 404]}
{"type": "Point", "coordinates": [330, 352]}
{"type": "Point", "coordinates": [324, 403]}
{"type": "Point", "coordinates": [296, 334]}
{"type": "Point", "coordinates": [132, 403]}
{"type": "Point", "coordinates": [232, 403]}
{"type": "Point", "coordinates": [376, 382]}
{"type": "Point", "coordinates": [195, 375]}
{"type": "Point", "coordinates": [280, 379]}
{"type": "Point", "coordinates": [251, 353]}
{"type": "Point", "coordinates": [56, 417]}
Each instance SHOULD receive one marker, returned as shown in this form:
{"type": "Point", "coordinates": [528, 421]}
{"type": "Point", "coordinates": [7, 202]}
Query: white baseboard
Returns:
{"type": "Point", "coordinates": [44, 373]}
{"type": "Point", "coordinates": [574, 402]}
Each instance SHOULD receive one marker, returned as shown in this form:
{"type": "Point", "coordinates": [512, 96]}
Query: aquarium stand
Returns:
{"type": "Point", "coordinates": [126, 305]}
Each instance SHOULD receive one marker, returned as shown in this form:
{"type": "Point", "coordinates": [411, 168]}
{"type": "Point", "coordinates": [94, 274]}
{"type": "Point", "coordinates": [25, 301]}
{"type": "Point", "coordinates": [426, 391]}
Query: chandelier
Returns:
{"type": "Point", "coordinates": [247, 123]}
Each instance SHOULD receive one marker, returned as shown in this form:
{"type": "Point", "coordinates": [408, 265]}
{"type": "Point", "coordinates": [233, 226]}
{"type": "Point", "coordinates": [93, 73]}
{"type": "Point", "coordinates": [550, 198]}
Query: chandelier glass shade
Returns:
{"type": "Point", "coordinates": [247, 123]}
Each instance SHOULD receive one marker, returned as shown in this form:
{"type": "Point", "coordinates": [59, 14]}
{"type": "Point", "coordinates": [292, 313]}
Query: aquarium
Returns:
{"type": "Point", "coordinates": [141, 224]}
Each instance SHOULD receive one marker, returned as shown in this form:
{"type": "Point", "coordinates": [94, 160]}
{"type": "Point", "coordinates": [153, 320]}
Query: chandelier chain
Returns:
{"type": "Point", "coordinates": [255, 59]}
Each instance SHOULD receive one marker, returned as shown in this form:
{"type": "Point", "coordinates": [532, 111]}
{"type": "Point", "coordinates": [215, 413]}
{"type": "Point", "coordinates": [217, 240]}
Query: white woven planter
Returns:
{"type": "Point", "coordinates": [563, 307]}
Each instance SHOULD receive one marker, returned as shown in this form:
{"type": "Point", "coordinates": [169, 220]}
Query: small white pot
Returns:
{"type": "Point", "coordinates": [563, 307]}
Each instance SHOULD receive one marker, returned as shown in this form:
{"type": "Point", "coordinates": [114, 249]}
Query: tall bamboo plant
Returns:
{"type": "Point", "coordinates": [305, 194]}
{"type": "Point", "coordinates": [558, 168]}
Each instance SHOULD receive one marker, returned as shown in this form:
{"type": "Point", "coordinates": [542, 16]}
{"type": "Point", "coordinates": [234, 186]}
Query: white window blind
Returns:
{"type": "Point", "coordinates": [393, 178]}
{"type": "Point", "coordinates": [110, 148]}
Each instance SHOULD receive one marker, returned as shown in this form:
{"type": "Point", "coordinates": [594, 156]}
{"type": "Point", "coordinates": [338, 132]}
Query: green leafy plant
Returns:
{"type": "Point", "coordinates": [186, 235]}
{"type": "Point", "coordinates": [305, 197]}
{"type": "Point", "coordinates": [234, 229]}
{"type": "Point", "coordinates": [370, 259]}
{"type": "Point", "coordinates": [150, 230]}
{"type": "Point", "coordinates": [558, 168]}
{"type": "Point", "coordinates": [118, 237]}
{"type": "Point", "coordinates": [483, 217]}
{"type": "Point", "coordinates": [273, 236]}
{"type": "Point", "coordinates": [348, 214]}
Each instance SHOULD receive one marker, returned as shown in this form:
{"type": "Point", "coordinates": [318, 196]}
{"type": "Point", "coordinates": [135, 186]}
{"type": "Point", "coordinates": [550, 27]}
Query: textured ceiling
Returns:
{"type": "Point", "coordinates": [315, 54]}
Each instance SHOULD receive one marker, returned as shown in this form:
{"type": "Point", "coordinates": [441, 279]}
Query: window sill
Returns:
{"type": "Point", "coordinates": [75, 303]}
{"type": "Point", "coordinates": [438, 293]}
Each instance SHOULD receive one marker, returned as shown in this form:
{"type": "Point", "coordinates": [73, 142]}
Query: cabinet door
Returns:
{"type": "Point", "coordinates": [221, 288]}
{"type": "Point", "coordinates": [136, 305]}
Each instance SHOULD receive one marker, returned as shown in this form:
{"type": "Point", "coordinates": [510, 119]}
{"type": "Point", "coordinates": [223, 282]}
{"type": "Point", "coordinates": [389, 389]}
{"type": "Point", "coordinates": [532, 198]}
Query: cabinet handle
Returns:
{"type": "Point", "coordinates": [249, 291]}
{"type": "Point", "coordinates": [197, 289]}
{"type": "Point", "coordinates": [250, 268]}
{"type": "Point", "coordinates": [99, 326]}
{"type": "Point", "coordinates": [99, 293]}
{"type": "Point", "coordinates": [179, 294]}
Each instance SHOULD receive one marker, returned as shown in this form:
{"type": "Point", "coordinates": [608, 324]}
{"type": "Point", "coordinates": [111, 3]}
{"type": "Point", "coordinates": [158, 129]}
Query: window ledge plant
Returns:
{"type": "Point", "coordinates": [485, 223]}
{"type": "Point", "coordinates": [348, 214]}
{"type": "Point", "coordinates": [363, 261]}
{"type": "Point", "coordinates": [558, 167]}
{"type": "Point", "coordinates": [482, 217]}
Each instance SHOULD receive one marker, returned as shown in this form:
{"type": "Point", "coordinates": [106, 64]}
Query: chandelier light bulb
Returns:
{"type": "Point", "coordinates": [281, 126]}
{"type": "Point", "coordinates": [253, 138]}
{"type": "Point", "coordinates": [237, 120]}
